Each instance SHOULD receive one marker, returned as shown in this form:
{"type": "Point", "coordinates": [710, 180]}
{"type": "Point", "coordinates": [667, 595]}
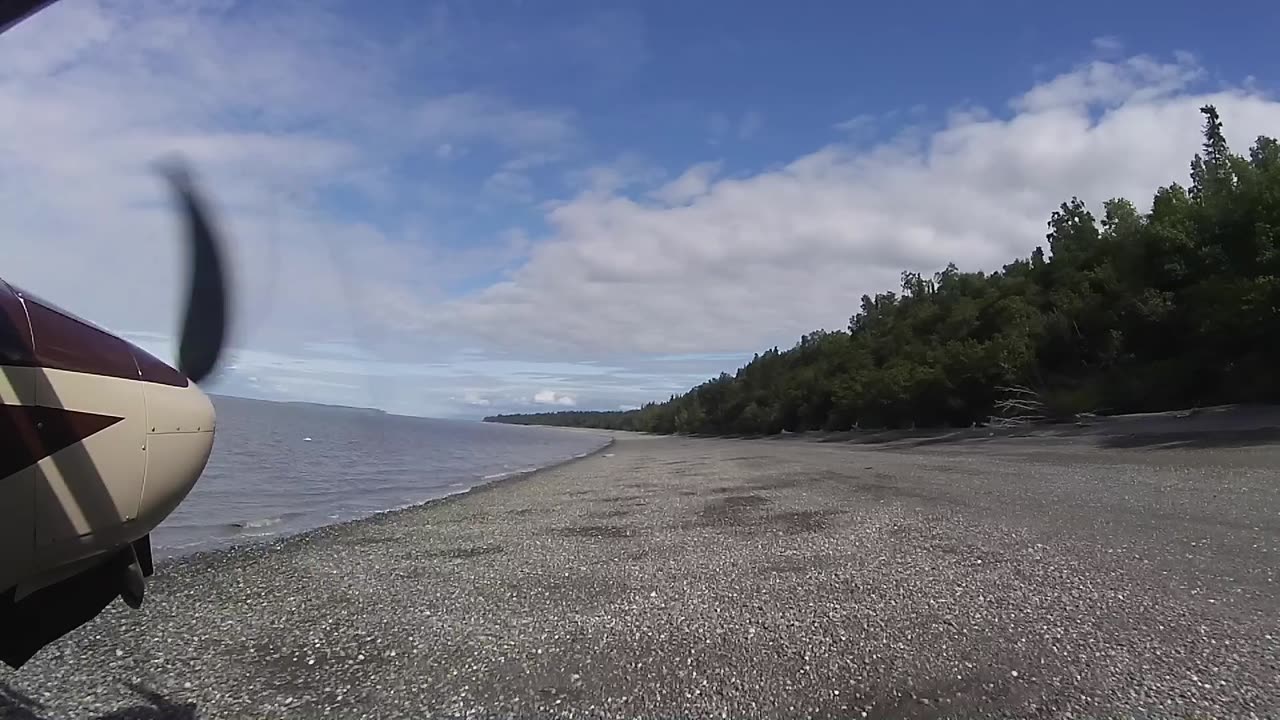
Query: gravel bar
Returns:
{"type": "Point", "coordinates": [675, 577]}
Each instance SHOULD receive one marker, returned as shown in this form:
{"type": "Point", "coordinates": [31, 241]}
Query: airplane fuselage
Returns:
{"type": "Point", "coordinates": [99, 442]}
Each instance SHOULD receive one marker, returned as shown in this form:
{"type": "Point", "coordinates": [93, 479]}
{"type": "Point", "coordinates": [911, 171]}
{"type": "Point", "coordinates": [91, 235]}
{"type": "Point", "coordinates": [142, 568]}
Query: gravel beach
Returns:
{"type": "Point", "coordinates": [674, 577]}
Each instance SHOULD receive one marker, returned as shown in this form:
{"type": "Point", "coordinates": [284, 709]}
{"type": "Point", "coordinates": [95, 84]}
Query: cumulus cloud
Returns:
{"type": "Point", "coordinates": [693, 182]}
{"type": "Point", "coordinates": [737, 263]}
{"type": "Point", "coordinates": [475, 399]}
{"type": "Point", "coordinates": [1135, 80]}
{"type": "Point", "coordinates": [551, 397]}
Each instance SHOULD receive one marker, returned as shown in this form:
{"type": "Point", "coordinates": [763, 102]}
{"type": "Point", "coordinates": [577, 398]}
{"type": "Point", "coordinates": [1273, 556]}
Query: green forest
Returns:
{"type": "Point", "coordinates": [1130, 312]}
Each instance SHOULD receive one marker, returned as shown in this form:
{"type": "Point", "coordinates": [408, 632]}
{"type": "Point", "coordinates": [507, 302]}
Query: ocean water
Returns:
{"type": "Point", "coordinates": [281, 468]}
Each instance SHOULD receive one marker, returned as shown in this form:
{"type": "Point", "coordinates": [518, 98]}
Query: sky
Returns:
{"type": "Point", "coordinates": [459, 208]}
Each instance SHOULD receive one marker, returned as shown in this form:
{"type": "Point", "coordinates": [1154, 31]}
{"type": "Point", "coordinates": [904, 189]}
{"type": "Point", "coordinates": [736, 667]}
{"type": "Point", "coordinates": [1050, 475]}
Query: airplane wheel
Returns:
{"type": "Point", "coordinates": [132, 584]}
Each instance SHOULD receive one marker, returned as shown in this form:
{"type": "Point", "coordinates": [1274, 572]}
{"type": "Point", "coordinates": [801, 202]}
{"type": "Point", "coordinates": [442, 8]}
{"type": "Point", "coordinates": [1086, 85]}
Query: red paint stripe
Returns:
{"type": "Point", "coordinates": [36, 333]}
{"type": "Point", "coordinates": [29, 434]}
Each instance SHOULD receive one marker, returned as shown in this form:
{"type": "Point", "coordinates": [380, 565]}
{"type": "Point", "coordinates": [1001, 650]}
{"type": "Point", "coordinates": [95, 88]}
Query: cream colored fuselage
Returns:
{"type": "Point", "coordinates": [110, 488]}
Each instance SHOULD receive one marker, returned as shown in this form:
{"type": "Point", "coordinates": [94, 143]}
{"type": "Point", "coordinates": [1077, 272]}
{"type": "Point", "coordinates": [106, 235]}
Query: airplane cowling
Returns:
{"type": "Point", "coordinates": [180, 431]}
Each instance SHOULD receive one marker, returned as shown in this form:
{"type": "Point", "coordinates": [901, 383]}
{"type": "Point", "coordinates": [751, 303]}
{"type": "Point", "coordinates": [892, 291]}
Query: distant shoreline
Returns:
{"type": "Point", "coordinates": [304, 403]}
{"type": "Point", "coordinates": [1176, 424]}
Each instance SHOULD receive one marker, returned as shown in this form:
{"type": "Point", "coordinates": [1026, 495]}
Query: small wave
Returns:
{"type": "Point", "coordinates": [172, 547]}
{"type": "Point", "coordinates": [256, 524]}
{"type": "Point", "coordinates": [509, 473]}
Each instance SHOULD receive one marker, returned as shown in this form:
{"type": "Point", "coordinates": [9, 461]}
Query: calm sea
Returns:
{"type": "Point", "coordinates": [281, 468]}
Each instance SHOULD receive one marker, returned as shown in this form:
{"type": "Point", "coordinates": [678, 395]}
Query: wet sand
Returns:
{"type": "Point", "coordinates": [668, 577]}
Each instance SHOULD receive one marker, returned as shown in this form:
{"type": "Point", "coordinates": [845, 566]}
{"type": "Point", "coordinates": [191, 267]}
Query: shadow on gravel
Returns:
{"type": "Point", "coordinates": [597, 531]}
{"type": "Point", "coordinates": [622, 498]}
{"type": "Point", "coordinates": [731, 510]}
{"type": "Point", "coordinates": [799, 522]}
{"type": "Point", "coordinates": [748, 511]}
{"type": "Point", "coordinates": [467, 553]}
{"type": "Point", "coordinates": [900, 491]}
{"type": "Point", "coordinates": [16, 706]}
{"type": "Point", "coordinates": [981, 694]}
{"type": "Point", "coordinates": [1194, 441]}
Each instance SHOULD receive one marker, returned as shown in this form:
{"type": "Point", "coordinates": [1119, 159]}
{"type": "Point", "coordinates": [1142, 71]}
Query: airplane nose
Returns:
{"type": "Point", "coordinates": [180, 428]}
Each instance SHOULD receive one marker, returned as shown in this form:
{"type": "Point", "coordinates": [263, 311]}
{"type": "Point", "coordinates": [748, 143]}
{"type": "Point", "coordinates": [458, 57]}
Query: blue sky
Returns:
{"type": "Point", "coordinates": [458, 208]}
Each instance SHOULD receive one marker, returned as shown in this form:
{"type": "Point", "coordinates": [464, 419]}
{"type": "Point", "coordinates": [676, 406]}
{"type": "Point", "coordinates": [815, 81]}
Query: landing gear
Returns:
{"type": "Point", "coordinates": [29, 624]}
{"type": "Point", "coordinates": [132, 584]}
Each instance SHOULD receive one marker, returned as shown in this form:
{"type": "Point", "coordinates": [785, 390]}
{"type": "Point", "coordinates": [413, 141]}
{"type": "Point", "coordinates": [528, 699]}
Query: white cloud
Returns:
{"type": "Point", "coordinates": [746, 262]}
{"type": "Point", "coordinates": [627, 170]}
{"type": "Point", "coordinates": [475, 399]}
{"type": "Point", "coordinates": [694, 182]}
{"type": "Point", "coordinates": [512, 179]}
{"type": "Point", "coordinates": [1108, 44]}
{"type": "Point", "coordinates": [551, 397]}
{"type": "Point", "coordinates": [859, 123]}
{"type": "Point", "coordinates": [470, 116]}
{"type": "Point", "coordinates": [719, 125]}
{"type": "Point", "coordinates": [1135, 80]}
{"type": "Point", "coordinates": [511, 184]}
{"type": "Point", "coordinates": [722, 126]}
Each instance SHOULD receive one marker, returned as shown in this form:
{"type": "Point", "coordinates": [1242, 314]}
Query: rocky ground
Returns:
{"type": "Point", "coordinates": [733, 578]}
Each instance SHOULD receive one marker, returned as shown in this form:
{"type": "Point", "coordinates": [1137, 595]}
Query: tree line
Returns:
{"type": "Point", "coordinates": [1133, 312]}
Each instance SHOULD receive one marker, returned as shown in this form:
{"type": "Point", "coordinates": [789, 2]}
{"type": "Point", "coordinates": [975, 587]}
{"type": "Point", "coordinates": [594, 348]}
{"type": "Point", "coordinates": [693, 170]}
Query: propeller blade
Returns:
{"type": "Point", "coordinates": [13, 12]}
{"type": "Point", "coordinates": [205, 325]}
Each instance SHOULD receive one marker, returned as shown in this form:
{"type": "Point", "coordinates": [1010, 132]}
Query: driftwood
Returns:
{"type": "Point", "coordinates": [1022, 407]}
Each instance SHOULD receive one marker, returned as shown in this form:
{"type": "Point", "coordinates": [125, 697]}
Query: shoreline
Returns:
{"type": "Point", "coordinates": [1260, 422]}
{"type": "Point", "coordinates": [673, 577]}
{"type": "Point", "coordinates": [279, 542]}
{"type": "Point", "coordinates": [1171, 429]}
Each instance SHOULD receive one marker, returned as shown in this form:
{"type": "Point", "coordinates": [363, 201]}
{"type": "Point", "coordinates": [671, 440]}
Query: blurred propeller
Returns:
{"type": "Point", "coordinates": [204, 328]}
{"type": "Point", "coordinates": [13, 12]}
